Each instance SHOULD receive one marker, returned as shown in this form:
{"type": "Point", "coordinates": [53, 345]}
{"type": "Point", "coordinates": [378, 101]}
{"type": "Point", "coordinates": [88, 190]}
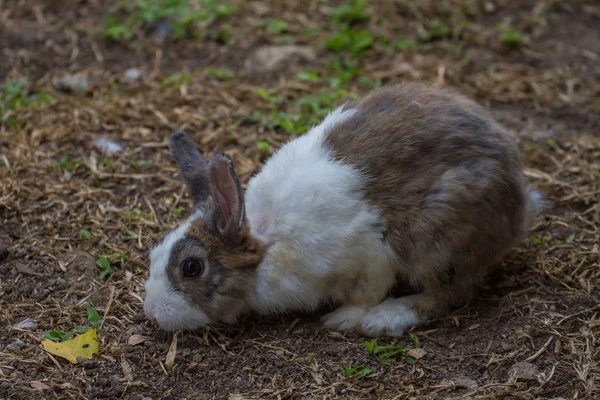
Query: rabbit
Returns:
{"type": "Point", "coordinates": [410, 184]}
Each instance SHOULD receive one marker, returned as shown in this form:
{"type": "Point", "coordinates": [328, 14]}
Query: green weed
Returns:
{"type": "Point", "coordinates": [407, 44]}
{"type": "Point", "coordinates": [223, 35]}
{"type": "Point", "coordinates": [220, 73]}
{"type": "Point", "coordinates": [263, 146]}
{"type": "Point", "coordinates": [277, 27]}
{"type": "Point", "coordinates": [309, 76]}
{"type": "Point", "coordinates": [344, 70]}
{"type": "Point", "coordinates": [510, 37]}
{"type": "Point", "coordinates": [176, 80]}
{"type": "Point", "coordinates": [353, 12]}
{"type": "Point", "coordinates": [14, 94]}
{"type": "Point", "coordinates": [105, 264]}
{"type": "Point", "coordinates": [306, 112]}
{"type": "Point", "coordinates": [69, 167]}
{"type": "Point", "coordinates": [388, 353]}
{"type": "Point", "coordinates": [58, 336]}
{"type": "Point", "coordinates": [357, 372]}
{"type": "Point", "coordinates": [84, 234]}
{"type": "Point", "coordinates": [272, 97]}
{"type": "Point", "coordinates": [538, 241]}
{"type": "Point", "coordinates": [350, 41]}
{"type": "Point", "coordinates": [436, 29]}
{"type": "Point", "coordinates": [94, 321]}
{"type": "Point", "coordinates": [183, 17]}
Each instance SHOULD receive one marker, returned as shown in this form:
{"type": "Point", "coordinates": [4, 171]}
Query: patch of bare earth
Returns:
{"type": "Point", "coordinates": [533, 331]}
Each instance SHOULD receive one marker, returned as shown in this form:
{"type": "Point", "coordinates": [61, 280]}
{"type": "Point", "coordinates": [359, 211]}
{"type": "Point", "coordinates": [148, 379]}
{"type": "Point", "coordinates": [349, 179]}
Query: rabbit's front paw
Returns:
{"type": "Point", "coordinates": [345, 318]}
{"type": "Point", "coordinates": [393, 317]}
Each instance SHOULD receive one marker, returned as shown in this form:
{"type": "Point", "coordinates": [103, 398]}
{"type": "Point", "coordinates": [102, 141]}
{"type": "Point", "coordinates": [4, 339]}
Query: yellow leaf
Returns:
{"type": "Point", "coordinates": [84, 345]}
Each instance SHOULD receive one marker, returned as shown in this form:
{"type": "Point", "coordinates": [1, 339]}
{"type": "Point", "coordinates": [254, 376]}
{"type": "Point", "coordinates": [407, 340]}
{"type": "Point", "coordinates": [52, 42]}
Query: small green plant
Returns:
{"type": "Point", "coordinates": [263, 146]}
{"type": "Point", "coordinates": [105, 264]}
{"type": "Point", "coordinates": [436, 29]}
{"type": "Point", "coordinates": [295, 124]}
{"type": "Point", "coordinates": [277, 27]}
{"type": "Point", "coordinates": [552, 144]}
{"type": "Point", "coordinates": [388, 353]}
{"type": "Point", "coordinates": [571, 238]}
{"type": "Point", "coordinates": [141, 163]}
{"type": "Point", "coordinates": [130, 234]}
{"type": "Point", "coordinates": [85, 234]}
{"type": "Point", "coordinates": [309, 76]}
{"type": "Point", "coordinates": [407, 44]}
{"type": "Point", "coordinates": [344, 70]}
{"type": "Point", "coordinates": [538, 241]}
{"type": "Point", "coordinates": [415, 340]}
{"type": "Point", "coordinates": [176, 80]}
{"type": "Point", "coordinates": [357, 372]}
{"type": "Point", "coordinates": [510, 37]}
{"type": "Point", "coordinates": [307, 111]}
{"type": "Point", "coordinates": [93, 316]}
{"type": "Point", "coordinates": [181, 17]}
{"type": "Point", "coordinates": [14, 94]}
{"type": "Point", "coordinates": [58, 336]}
{"type": "Point", "coordinates": [220, 73]}
{"type": "Point", "coordinates": [69, 167]}
{"type": "Point", "coordinates": [223, 35]}
{"type": "Point", "coordinates": [351, 41]}
{"type": "Point", "coordinates": [94, 321]}
{"type": "Point", "coordinates": [353, 12]}
{"type": "Point", "coordinates": [272, 98]}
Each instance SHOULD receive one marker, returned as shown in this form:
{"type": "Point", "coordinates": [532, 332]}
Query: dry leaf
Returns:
{"type": "Point", "coordinates": [170, 361]}
{"type": "Point", "coordinates": [84, 346]}
{"type": "Point", "coordinates": [137, 339]}
{"type": "Point", "coordinates": [417, 354]}
{"type": "Point", "coordinates": [127, 371]}
{"type": "Point", "coordinates": [37, 385]}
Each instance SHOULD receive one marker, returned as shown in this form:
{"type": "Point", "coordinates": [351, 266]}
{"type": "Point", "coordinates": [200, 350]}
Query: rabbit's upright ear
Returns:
{"type": "Point", "coordinates": [192, 166]}
{"type": "Point", "coordinates": [228, 198]}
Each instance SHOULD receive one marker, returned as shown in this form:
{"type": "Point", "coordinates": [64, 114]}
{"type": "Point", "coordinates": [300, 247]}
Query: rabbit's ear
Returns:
{"type": "Point", "coordinates": [228, 197]}
{"type": "Point", "coordinates": [192, 166]}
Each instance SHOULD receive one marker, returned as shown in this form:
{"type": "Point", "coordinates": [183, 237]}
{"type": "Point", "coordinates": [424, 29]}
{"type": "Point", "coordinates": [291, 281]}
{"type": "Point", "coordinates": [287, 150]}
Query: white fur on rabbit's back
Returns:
{"type": "Point", "coordinates": [324, 240]}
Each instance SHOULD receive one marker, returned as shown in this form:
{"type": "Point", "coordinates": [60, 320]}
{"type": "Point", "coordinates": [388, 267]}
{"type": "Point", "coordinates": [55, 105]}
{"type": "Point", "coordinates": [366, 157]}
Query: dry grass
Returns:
{"type": "Point", "coordinates": [543, 308]}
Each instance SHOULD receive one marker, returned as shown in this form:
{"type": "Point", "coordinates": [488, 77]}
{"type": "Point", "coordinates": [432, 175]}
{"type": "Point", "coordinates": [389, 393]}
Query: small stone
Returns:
{"type": "Point", "coordinates": [132, 75]}
{"type": "Point", "coordinates": [417, 354]}
{"type": "Point", "coordinates": [465, 383]}
{"type": "Point", "coordinates": [18, 344]}
{"type": "Point", "coordinates": [146, 398]}
{"type": "Point", "coordinates": [71, 83]}
{"type": "Point", "coordinates": [271, 58]}
{"type": "Point", "coordinates": [108, 146]}
{"type": "Point", "coordinates": [523, 371]}
{"type": "Point", "coordinates": [27, 325]}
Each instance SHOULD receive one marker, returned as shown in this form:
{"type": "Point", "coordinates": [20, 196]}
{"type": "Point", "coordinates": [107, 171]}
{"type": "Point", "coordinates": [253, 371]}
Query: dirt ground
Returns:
{"type": "Point", "coordinates": [533, 332]}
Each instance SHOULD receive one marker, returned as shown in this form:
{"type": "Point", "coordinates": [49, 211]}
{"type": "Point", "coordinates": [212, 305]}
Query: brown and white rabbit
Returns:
{"type": "Point", "coordinates": [410, 184]}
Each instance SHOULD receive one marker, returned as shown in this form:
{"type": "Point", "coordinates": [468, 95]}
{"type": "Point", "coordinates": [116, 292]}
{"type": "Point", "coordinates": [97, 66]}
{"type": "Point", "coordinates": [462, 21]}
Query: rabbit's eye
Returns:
{"type": "Point", "coordinates": [192, 268]}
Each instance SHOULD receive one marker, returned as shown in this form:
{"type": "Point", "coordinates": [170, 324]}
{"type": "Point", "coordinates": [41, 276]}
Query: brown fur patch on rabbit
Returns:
{"type": "Point", "coordinates": [446, 178]}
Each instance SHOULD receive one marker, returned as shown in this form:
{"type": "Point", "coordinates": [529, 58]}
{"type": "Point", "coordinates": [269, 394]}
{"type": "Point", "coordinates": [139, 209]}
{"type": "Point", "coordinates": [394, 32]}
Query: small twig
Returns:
{"type": "Point", "coordinates": [541, 350]}
{"type": "Point", "coordinates": [579, 313]}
